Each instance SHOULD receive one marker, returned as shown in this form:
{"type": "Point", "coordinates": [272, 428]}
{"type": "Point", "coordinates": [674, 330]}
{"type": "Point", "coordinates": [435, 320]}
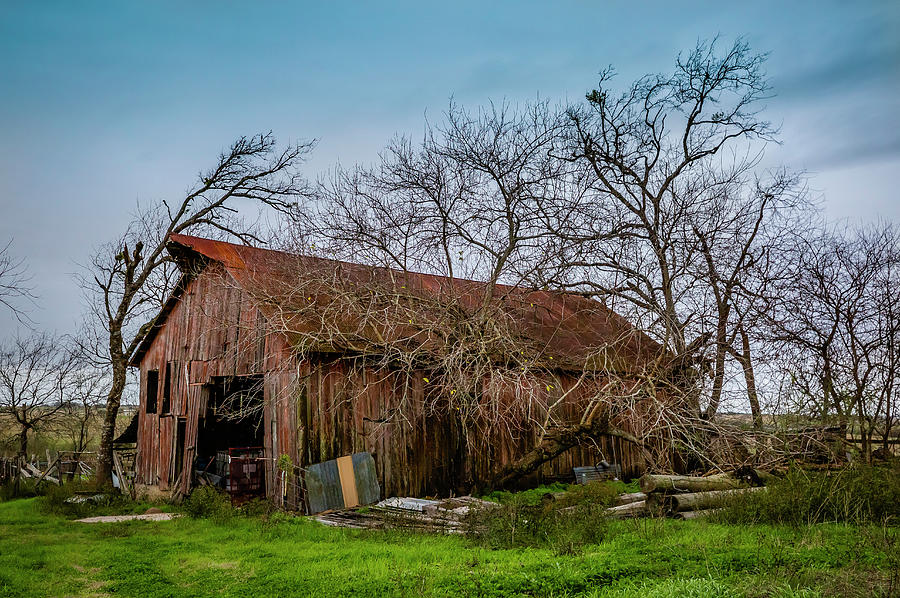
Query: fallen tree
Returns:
{"type": "Point", "coordinates": [554, 443]}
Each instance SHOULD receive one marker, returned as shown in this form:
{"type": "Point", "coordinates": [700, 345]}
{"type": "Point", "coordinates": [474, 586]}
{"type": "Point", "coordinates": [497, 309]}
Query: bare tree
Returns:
{"type": "Point", "coordinates": [673, 161]}
{"type": "Point", "coordinates": [838, 313]}
{"type": "Point", "coordinates": [86, 390]}
{"type": "Point", "coordinates": [34, 382]}
{"type": "Point", "coordinates": [14, 282]}
{"type": "Point", "coordinates": [740, 237]}
{"type": "Point", "coordinates": [468, 202]}
{"type": "Point", "coordinates": [473, 200]}
{"type": "Point", "coordinates": [649, 201]}
{"type": "Point", "coordinates": [130, 278]}
{"type": "Point", "coordinates": [483, 197]}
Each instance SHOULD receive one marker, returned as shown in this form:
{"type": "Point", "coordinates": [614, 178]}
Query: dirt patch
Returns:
{"type": "Point", "coordinates": [118, 518]}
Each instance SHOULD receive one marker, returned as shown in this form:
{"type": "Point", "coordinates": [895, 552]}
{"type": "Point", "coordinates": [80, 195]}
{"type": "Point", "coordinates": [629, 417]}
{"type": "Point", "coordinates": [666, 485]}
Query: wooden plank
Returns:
{"type": "Point", "coordinates": [120, 473]}
{"type": "Point", "coordinates": [348, 481]}
{"type": "Point", "coordinates": [45, 474]}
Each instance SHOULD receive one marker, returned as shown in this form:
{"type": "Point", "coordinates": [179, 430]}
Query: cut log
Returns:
{"type": "Point", "coordinates": [698, 501]}
{"type": "Point", "coordinates": [625, 499]}
{"type": "Point", "coordinates": [656, 504]}
{"type": "Point", "coordinates": [681, 483]}
{"type": "Point", "coordinates": [632, 509]}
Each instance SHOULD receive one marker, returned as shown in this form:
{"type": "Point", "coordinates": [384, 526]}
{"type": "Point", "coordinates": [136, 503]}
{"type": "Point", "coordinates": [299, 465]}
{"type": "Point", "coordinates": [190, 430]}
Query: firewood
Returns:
{"type": "Point", "coordinates": [625, 499]}
{"type": "Point", "coordinates": [698, 501]}
{"type": "Point", "coordinates": [632, 509]}
{"type": "Point", "coordinates": [679, 483]}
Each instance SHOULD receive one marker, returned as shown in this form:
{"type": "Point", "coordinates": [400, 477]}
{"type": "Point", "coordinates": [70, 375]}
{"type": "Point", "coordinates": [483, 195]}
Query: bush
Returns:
{"type": "Point", "coordinates": [531, 496]}
{"type": "Point", "coordinates": [208, 503]}
{"type": "Point", "coordinates": [75, 501]}
{"type": "Point", "coordinates": [258, 507]}
{"type": "Point", "coordinates": [855, 494]}
{"type": "Point", "coordinates": [26, 489]}
{"type": "Point", "coordinates": [531, 519]}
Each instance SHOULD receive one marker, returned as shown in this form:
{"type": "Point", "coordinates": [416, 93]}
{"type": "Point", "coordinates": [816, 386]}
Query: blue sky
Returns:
{"type": "Point", "coordinates": [105, 104]}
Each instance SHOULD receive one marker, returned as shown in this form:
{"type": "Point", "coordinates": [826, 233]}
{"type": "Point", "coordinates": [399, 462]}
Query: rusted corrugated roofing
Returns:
{"type": "Point", "coordinates": [564, 326]}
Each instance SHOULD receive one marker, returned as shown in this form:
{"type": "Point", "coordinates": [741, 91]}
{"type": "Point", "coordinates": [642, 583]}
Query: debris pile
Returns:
{"type": "Point", "coordinates": [444, 515]}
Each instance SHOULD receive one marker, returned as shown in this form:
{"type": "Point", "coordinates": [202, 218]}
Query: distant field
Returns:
{"type": "Point", "coordinates": [43, 555]}
{"type": "Point", "coordinates": [57, 437]}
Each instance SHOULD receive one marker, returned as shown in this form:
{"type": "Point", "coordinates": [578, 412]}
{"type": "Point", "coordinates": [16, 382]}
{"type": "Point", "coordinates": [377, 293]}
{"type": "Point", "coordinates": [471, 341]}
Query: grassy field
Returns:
{"type": "Point", "coordinates": [47, 555]}
{"type": "Point", "coordinates": [60, 436]}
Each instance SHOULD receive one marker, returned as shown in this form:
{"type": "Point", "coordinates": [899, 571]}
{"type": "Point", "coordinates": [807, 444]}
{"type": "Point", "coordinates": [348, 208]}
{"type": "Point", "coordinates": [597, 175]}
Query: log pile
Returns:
{"type": "Point", "coordinates": [690, 497]}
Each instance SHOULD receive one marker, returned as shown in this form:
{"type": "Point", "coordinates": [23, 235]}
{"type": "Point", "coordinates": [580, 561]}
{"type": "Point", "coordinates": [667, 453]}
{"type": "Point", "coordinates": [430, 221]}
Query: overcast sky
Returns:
{"type": "Point", "coordinates": [105, 104]}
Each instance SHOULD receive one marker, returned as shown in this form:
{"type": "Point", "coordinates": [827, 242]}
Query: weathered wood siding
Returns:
{"type": "Point", "coordinates": [419, 451]}
{"type": "Point", "coordinates": [213, 330]}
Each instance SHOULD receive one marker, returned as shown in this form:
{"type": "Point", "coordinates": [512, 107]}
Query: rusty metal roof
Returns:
{"type": "Point", "coordinates": [564, 326]}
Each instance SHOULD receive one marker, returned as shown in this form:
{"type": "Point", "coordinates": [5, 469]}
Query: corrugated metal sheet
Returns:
{"type": "Point", "coordinates": [567, 327]}
{"type": "Point", "coordinates": [325, 487]}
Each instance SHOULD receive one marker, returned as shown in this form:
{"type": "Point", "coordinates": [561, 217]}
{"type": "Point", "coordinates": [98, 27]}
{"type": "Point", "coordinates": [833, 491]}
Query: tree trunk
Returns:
{"type": "Point", "coordinates": [555, 443]}
{"type": "Point", "coordinates": [624, 499]}
{"type": "Point", "coordinates": [750, 378]}
{"type": "Point", "coordinates": [719, 372]}
{"type": "Point", "coordinates": [632, 509]}
{"type": "Point", "coordinates": [23, 442]}
{"type": "Point", "coordinates": [103, 474]}
{"type": "Point", "coordinates": [699, 501]}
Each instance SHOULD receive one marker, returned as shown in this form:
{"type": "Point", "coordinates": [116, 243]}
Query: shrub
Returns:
{"type": "Point", "coordinates": [531, 519]}
{"type": "Point", "coordinates": [208, 503]}
{"type": "Point", "coordinates": [601, 494]}
{"type": "Point", "coordinates": [531, 496]}
{"type": "Point", "coordinates": [855, 494]}
{"type": "Point", "coordinates": [75, 501]}
{"type": "Point", "coordinates": [25, 489]}
{"type": "Point", "coordinates": [258, 507]}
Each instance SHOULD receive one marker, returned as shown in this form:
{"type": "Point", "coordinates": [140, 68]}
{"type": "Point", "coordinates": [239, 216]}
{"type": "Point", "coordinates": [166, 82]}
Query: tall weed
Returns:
{"type": "Point", "coordinates": [75, 501]}
{"type": "Point", "coordinates": [9, 490]}
{"type": "Point", "coordinates": [855, 494]}
{"type": "Point", "coordinates": [206, 502]}
{"type": "Point", "coordinates": [564, 525]}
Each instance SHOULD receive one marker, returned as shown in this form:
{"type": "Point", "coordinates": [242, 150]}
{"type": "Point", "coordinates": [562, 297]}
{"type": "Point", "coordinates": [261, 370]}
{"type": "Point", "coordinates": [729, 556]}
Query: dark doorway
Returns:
{"type": "Point", "coordinates": [180, 433]}
{"type": "Point", "coordinates": [233, 419]}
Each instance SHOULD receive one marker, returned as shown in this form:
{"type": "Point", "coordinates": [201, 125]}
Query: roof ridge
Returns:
{"type": "Point", "coordinates": [201, 240]}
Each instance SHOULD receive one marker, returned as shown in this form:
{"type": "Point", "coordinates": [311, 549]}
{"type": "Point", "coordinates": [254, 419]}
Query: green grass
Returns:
{"type": "Point", "coordinates": [47, 555]}
{"type": "Point", "coordinates": [533, 495]}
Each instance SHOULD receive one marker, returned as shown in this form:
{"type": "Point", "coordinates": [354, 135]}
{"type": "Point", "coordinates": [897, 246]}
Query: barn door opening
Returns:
{"type": "Point", "coordinates": [231, 423]}
{"type": "Point", "coordinates": [180, 433]}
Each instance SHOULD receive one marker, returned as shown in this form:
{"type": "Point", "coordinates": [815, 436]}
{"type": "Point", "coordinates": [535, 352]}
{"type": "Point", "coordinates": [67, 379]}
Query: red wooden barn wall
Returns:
{"type": "Point", "coordinates": [315, 411]}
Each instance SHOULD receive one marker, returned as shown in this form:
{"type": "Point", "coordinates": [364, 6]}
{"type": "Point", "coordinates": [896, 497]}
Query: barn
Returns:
{"type": "Point", "coordinates": [228, 369]}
